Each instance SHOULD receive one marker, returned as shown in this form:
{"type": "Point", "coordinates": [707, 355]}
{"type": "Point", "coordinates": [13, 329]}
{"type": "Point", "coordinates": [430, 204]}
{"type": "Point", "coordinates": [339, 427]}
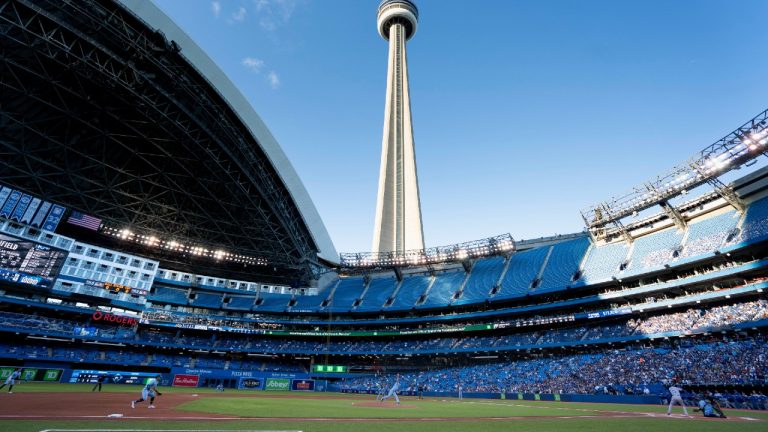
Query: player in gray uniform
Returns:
{"type": "Point", "coordinates": [393, 391]}
{"type": "Point", "coordinates": [674, 390]}
{"type": "Point", "coordinates": [149, 391]}
{"type": "Point", "coordinates": [11, 380]}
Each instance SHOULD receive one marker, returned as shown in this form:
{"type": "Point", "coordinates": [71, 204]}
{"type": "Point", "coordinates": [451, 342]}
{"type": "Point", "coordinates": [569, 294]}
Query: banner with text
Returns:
{"type": "Point", "coordinates": [183, 380]}
{"type": "Point", "coordinates": [249, 384]}
{"type": "Point", "coordinates": [303, 385]}
{"type": "Point", "coordinates": [277, 384]}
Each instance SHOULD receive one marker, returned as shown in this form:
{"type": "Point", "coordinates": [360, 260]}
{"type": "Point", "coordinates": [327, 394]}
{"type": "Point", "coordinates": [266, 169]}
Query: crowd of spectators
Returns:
{"type": "Point", "coordinates": [640, 371]}
{"type": "Point", "coordinates": [687, 321]}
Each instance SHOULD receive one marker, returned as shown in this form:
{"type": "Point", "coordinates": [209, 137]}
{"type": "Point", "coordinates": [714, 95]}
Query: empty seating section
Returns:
{"type": "Point", "coordinates": [443, 289]}
{"type": "Point", "coordinates": [709, 234]}
{"type": "Point", "coordinates": [523, 269]}
{"type": "Point", "coordinates": [240, 302]}
{"type": "Point", "coordinates": [484, 275]}
{"type": "Point", "coordinates": [207, 300]}
{"type": "Point", "coordinates": [756, 221]}
{"type": "Point", "coordinates": [563, 263]}
{"type": "Point", "coordinates": [349, 290]}
{"type": "Point", "coordinates": [411, 289]}
{"type": "Point", "coordinates": [269, 302]}
{"type": "Point", "coordinates": [379, 290]}
{"type": "Point", "coordinates": [169, 295]}
{"type": "Point", "coordinates": [603, 262]}
{"type": "Point", "coordinates": [655, 249]}
{"type": "Point", "coordinates": [308, 303]}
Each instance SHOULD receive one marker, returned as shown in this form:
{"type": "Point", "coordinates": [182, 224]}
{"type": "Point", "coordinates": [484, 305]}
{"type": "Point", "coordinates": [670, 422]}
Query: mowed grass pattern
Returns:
{"type": "Point", "coordinates": [360, 408]}
{"type": "Point", "coordinates": [352, 413]}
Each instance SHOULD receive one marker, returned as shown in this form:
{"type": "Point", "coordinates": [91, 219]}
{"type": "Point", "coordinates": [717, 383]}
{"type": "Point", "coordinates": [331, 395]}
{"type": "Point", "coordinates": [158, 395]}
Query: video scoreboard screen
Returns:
{"type": "Point", "coordinates": [116, 377]}
{"type": "Point", "coordinates": [330, 369]}
{"type": "Point", "coordinates": [29, 263]}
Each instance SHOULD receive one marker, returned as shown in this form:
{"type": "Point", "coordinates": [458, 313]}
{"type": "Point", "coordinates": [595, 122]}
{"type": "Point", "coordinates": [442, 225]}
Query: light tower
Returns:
{"type": "Point", "coordinates": [398, 208]}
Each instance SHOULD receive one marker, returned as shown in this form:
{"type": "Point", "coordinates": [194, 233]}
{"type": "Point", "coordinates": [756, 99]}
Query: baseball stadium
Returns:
{"type": "Point", "coordinates": [164, 268]}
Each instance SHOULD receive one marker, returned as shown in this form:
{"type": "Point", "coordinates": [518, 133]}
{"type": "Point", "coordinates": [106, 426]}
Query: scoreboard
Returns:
{"type": "Point", "coordinates": [116, 377]}
{"type": "Point", "coordinates": [329, 369]}
{"type": "Point", "coordinates": [29, 263]}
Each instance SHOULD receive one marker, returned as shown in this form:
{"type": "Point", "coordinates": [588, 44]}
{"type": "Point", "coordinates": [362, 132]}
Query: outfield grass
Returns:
{"type": "Point", "coordinates": [537, 416]}
{"type": "Point", "coordinates": [537, 425]}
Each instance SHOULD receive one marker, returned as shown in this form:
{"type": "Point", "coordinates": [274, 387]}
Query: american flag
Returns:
{"type": "Point", "coordinates": [84, 220]}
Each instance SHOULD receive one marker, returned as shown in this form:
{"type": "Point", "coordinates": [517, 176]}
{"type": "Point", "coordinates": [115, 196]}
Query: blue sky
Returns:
{"type": "Point", "coordinates": [524, 112]}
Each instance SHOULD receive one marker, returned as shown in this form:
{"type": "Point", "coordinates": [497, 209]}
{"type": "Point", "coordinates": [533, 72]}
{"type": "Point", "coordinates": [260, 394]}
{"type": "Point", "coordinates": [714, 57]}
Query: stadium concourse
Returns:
{"type": "Point", "coordinates": [106, 275]}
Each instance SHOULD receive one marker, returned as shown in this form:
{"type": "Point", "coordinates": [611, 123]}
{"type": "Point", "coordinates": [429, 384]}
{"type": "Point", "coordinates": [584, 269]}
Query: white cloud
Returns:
{"type": "Point", "coordinates": [267, 24]}
{"type": "Point", "coordinates": [253, 64]}
{"type": "Point", "coordinates": [274, 80]}
{"type": "Point", "coordinates": [261, 5]}
{"type": "Point", "coordinates": [274, 12]}
{"type": "Point", "coordinates": [239, 16]}
{"type": "Point", "coordinates": [216, 8]}
{"type": "Point", "coordinates": [285, 8]}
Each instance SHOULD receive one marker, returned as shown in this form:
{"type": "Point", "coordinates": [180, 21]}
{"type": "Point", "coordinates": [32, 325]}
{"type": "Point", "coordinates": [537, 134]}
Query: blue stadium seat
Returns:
{"type": "Point", "coordinates": [207, 300]}
{"type": "Point", "coordinates": [707, 235]}
{"type": "Point", "coordinates": [243, 303]}
{"type": "Point", "coordinates": [348, 290]}
{"type": "Point", "coordinates": [523, 269]}
{"type": "Point", "coordinates": [410, 290]}
{"type": "Point", "coordinates": [271, 302]}
{"type": "Point", "coordinates": [443, 289]}
{"type": "Point", "coordinates": [484, 275]}
{"type": "Point", "coordinates": [309, 303]}
{"type": "Point", "coordinates": [603, 262]}
{"type": "Point", "coordinates": [756, 221]}
{"type": "Point", "coordinates": [563, 262]}
{"type": "Point", "coordinates": [379, 290]}
{"type": "Point", "coordinates": [654, 250]}
{"type": "Point", "coordinates": [169, 295]}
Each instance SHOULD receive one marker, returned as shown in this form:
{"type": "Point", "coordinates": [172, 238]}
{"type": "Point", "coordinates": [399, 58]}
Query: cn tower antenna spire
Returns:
{"type": "Point", "coordinates": [398, 224]}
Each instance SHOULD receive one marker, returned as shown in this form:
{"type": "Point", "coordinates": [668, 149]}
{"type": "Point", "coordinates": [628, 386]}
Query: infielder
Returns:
{"type": "Point", "coordinates": [149, 390]}
{"type": "Point", "coordinates": [674, 390]}
{"type": "Point", "coordinates": [11, 380]}
{"type": "Point", "coordinates": [393, 391]}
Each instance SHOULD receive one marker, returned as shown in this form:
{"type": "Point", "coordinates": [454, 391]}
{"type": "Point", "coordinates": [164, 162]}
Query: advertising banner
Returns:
{"type": "Point", "coordinates": [249, 384]}
{"type": "Point", "coordinates": [277, 384]}
{"type": "Point", "coordinates": [183, 380]}
{"type": "Point", "coordinates": [303, 385]}
{"type": "Point", "coordinates": [32, 374]}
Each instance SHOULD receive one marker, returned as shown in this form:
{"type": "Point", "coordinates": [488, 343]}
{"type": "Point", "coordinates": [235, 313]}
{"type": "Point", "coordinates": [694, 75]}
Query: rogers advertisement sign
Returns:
{"type": "Point", "coordinates": [114, 319]}
{"type": "Point", "coordinates": [181, 380]}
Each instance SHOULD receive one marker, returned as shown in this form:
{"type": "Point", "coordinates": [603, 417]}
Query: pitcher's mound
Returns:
{"type": "Point", "coordinates": [374, 404]}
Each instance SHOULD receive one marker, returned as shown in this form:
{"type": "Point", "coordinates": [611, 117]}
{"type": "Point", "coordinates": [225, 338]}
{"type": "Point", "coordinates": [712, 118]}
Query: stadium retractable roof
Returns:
{"type": "Point", "coordinates": [111, 109]}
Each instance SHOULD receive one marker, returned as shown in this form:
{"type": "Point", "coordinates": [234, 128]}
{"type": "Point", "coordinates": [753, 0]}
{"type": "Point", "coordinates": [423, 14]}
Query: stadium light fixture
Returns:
{"type": "Point", "coordinates": [730, 152]}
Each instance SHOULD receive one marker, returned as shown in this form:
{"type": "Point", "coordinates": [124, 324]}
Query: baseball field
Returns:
{"type": "Point", "coordinates": [75, 408]}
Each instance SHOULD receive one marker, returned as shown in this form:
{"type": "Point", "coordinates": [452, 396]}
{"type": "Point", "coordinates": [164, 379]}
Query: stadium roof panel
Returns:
{"type": "Point", "coordinates": [117, 113]}
{"type": "Point", "coordinates": [156, 18]}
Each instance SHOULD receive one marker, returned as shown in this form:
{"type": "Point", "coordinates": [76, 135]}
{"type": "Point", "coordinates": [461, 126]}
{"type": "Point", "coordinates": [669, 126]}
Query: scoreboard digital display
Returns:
{"type": "Point", "coordinates": [329, 369]}
{"type": "Point", "coordinates": [115, 377]}
{"type": "Point", "coordinates": [29, 263]}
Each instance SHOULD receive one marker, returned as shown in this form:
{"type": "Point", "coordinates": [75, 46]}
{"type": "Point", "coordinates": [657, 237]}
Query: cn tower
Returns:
{"type": "Point", "coordinates": [398, 207]}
